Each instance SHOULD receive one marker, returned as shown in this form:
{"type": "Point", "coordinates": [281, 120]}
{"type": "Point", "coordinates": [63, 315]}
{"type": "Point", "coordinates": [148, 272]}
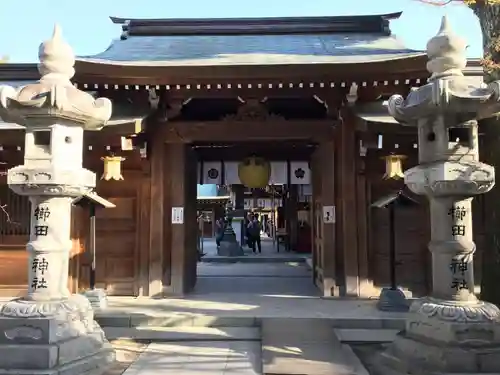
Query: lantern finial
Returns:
{"type": "Point", "coordinates": [394, 167]}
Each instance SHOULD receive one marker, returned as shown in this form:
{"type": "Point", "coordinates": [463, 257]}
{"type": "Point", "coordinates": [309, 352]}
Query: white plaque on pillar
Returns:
{"type": "Point", "coordinates": [177, 215]}
{"type": "Point", "coordinates": [328, 214]}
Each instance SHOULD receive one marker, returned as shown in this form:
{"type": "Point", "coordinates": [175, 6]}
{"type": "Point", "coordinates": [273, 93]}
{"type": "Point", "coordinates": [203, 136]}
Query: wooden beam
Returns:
{"type": "Point", "coordinates": [241, 150]}
{"type": "Point", "coordinates": [249, 90]}
{"type": "Point", "coordinates": [232, 131]}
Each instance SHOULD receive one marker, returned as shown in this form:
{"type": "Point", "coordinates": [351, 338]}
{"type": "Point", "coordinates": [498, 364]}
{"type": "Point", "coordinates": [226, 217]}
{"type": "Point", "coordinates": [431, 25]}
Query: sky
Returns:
{"type": "Point", "coordinates": [86, 25]}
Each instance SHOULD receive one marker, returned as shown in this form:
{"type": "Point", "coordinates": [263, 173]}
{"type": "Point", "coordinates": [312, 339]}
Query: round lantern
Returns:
{"type": "Point", "coordinates": [254, 172]}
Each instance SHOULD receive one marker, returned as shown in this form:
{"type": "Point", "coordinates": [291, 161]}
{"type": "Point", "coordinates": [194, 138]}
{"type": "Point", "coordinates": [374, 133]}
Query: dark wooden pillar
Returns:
{"type": "Point", "coordinates": [326, 168]}
{"type": "Point", "coordinates": [346, 202]}
{"type": "Point", "coordinates": [363, 202]}
{"type": "Point", "coordinates": [143, 222]}
{"type": "Point", "coordinates": [181, 194]}
{"type": "Point", "coordinates": [156, 257]}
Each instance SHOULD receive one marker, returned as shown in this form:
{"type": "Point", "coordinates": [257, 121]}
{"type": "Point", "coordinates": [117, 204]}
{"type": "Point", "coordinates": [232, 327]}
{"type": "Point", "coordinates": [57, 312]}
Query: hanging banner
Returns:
{"type": "Point", "coordinates": [279, 173]}
{"type": "Point", "coordinates": [212, 171]}
{"type": "Point", "coordinates": [300, 174]}
{"type": "Point", "coordinates": [231, 173]}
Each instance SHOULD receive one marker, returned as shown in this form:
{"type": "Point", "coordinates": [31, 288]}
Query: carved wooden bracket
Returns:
{"type": "Point", "coordinates": [174, 107]}
{"type": "Point", "coordinates": [252, 110]}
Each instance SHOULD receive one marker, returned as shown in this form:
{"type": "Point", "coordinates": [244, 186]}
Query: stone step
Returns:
{"type": "Point", "coordinates": [183, 333]}
{"type": "Point", "coordinates": [309, 348]}
{"type": "Point", "coordinates": [150, 333]}
{"type": "Point", "coordinates": [108, 318]}
{"type": "Point", "coordinates": [348, 335]}
{"type": "Point", "coordinates": [252, 259]}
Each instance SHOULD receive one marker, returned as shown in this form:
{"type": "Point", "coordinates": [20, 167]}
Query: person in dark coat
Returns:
{"type": "Point", "coordinates": [254, 230]}
{"type": "Point", "coordinates": [220, 226]}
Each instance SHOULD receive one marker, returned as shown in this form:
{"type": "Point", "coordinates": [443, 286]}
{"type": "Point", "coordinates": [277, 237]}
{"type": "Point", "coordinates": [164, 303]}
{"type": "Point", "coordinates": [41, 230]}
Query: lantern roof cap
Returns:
{"type": "Point", "coordinates": [56, 57]}
{"type": "Point", "coordinates": [399, 197]}
{"type": "Point", "coordinates": [446, 52]}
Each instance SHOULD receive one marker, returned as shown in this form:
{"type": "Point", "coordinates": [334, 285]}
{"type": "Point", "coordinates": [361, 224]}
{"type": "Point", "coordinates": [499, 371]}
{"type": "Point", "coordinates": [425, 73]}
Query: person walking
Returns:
{"type": "Point", "coordinates": [220, 226]}
{"type": "Point", "coordinates": [254, 230]}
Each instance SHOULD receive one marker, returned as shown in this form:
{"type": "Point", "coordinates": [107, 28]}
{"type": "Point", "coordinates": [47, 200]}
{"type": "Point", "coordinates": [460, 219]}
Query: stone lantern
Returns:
{"type": "Point", "coordinates": [450, 331]}
{"type": "Point", "coordinates": [50, 330]}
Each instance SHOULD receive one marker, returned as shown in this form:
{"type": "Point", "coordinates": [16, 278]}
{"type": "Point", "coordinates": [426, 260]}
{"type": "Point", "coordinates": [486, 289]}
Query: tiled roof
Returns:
{"type": "Point", "coordinates": [206, 50]}
{"type": "Point", "coordinates": [272, 41]}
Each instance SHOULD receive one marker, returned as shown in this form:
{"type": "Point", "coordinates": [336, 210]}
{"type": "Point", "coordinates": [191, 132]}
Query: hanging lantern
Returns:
{"type": "Point", "coordinates": [112, 168]}
{"type": "Point", "coordinates": [254, 172]}
{"type": "Point", "coordinates": [393, 167]}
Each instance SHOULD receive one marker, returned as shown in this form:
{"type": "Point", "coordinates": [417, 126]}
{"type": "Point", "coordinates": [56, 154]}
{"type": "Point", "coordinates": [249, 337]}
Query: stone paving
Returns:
{"type": "Point", "coordinates": [269, 253]}
{"type": "Point", "coordinates": [285, 279]}
{"type": "Point", "coordinates": [127, 352]}
{"type": "Point", "coordinates": [196, 358]}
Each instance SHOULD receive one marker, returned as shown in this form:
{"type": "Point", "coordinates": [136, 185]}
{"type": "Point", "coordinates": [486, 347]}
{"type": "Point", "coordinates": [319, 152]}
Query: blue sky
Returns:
{"type": "Point", "coordinates": [86, 26]}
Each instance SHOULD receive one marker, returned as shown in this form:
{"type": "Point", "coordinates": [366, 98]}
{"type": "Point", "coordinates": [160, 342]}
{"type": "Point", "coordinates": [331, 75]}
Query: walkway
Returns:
{"type": "Point", "coordinates": [269, 253]}
{"type": "Point", "coordinates": [260, 315]}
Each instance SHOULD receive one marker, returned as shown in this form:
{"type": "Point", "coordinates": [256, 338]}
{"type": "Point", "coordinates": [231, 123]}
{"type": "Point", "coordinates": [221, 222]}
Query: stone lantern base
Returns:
{"type": "Point", "coordinates": [445, 338]}
{"type": "Point", "coordinates": [52, 338]}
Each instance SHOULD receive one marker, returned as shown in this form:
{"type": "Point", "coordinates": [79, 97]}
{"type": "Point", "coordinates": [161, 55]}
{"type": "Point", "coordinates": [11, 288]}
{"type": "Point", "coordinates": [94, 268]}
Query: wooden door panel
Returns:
{"type": "Point", "coordinates": [116, 247]}
{"type": "Point", "coordinates": [104, 226]}
{"type": "Point", "coordinates": [411, 249]}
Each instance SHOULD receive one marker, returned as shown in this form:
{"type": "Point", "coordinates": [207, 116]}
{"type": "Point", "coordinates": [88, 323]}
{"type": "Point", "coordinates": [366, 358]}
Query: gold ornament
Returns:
{"type": "Point", "coordinates": [254, 172]}
{"type": "Point", "coordinates": [112, 168]}
{"type": "Point", "coordinates": [393, 167]}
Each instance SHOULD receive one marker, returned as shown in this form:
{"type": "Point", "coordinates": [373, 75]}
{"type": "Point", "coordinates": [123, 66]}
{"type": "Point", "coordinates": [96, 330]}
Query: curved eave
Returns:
{"type": "Point", "coordinates": [387, 16]}
{"type": "Point", "coordinates": [410, 65]}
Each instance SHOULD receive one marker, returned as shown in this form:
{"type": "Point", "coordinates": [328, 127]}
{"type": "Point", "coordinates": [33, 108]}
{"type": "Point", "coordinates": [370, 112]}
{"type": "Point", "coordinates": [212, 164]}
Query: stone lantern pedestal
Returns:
{"type": "Point", "coordinates": [50, 331]}
{"type": "Point", "coordinates": [450, 331]}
